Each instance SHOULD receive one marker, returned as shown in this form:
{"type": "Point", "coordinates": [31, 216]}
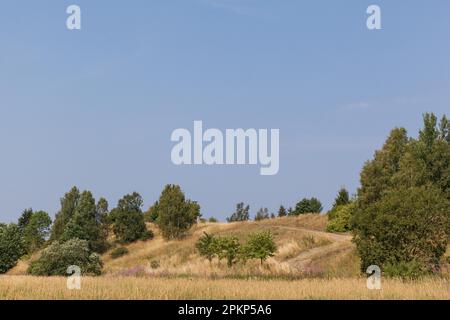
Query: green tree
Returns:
{"type": "Point", "coordinates": [151, 215]}
{"type": "Point", "coordinates": [405, 225]}
{"type": "Point", "coordinates": [312, 205]}
{"type": "Point", "coordinates": [262, 214]}
{"type": "Point", "coordinates": [376, 174]}
{"type": "Point", "coordinates": [207, 246]}
{"type": "Point", "coordinates": [241, 213]}
{"type": "Point", "coordinates": [339, 218]}
{"type": "Point", "coordinates": [128, 220]}
{"type": "Point", "coordinates": [36, 231]}
{"type": "Point", "coordinates": [282, 212]}
{"type": "Point", "coordinates": [12, 246]}
{"type": "Point", "coordinates": [260, 245]}
{"type": "Point", "coordinates": [56, 258]}
{"type": "Point", "coordinates": [228, 248]}
{"type": "Point", "coordinates": [25, 218]}
{"type": "Point", "coordinates": [85, 223]}
{"type": "Point", "coordinates": [342, 198]}
{"type": "Point", "coordinates": [176, 215]}
{"type": "Point", "coordinates": [68, 205]}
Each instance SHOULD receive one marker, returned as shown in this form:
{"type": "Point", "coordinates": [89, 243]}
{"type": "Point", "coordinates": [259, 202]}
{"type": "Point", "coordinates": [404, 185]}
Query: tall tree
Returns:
{"type": "Point", "coordinates": [342, 198]}
{"type": "Point", "coordinates": [25, 218]}
{"type": "Point", "coordinates": [36, 231]}
{"type": "Point", "coordinates": [262, 214]}
{"type": "Point", "coordinates": [241, 213]}
{"type": "Point", "coordinates": [68, 205]}
{"type": "Point", "coordinates": [12, 246]}
{"type": "Point", "coordinates": [176, 215]}
{"type": "Point", "coordinates": [128, 220]}
{"type": "Point", "coordinates": [282, 212]}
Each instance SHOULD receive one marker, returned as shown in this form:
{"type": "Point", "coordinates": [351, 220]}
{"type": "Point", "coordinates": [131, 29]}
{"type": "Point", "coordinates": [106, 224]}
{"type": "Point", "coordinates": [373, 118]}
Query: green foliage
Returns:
{"type": "Point", "coordinates": [25, 218]}
{"type": "Point", "coordinates": [405, 270]}
{"type": "Point", "coordinates": [213, 220]}
{"type": "Point", "coordinates": [260, 245]}
{"type": "Point", "coordinates": [88, 222]}
{"type": "Point", "coordinates": [128, 220]}
{"type": "Point", "coordinates": [56, 258]}
{"type": "Point", "coordinates": [176, 215]}
{"type": "Point", "coordinates": [12, 246]}
{"type": "Point", "coordinates": [228, 248]}
{"type": "Point", "coordinates": [262, 214]}
{"type": "Point", "coordinates": [241, 213]}
{"type": "Point", "coordinates": [405, 225]}
{"type": "Point", "coordinates": [119, 252]}
{"type": "Point", "coordinates": [36, 231]}
{"type": "Point", "coordinates": [342, 198]}
{"type": "Point", "coordinates": [152, 213]}
{"type": "Point", "coordinates": [312, 205]}
{"type": "Point", "coordinates": [68, 205]}
{"type": "Point", "coordinates": [207, 246]}
{"type": "Point", "coordinates": [282, 212]}
{"type": "Point", "coordinates": [339, 218]}
{"type": "Point", "coordinates": [402, 215]}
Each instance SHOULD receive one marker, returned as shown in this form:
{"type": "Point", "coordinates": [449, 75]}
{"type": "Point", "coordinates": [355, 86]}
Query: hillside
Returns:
{"type": "Point", "coordinates": [304, 249]}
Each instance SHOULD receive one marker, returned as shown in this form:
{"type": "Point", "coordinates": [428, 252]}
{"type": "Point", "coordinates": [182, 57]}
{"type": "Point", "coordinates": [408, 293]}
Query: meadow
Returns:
{"type": "Point", "coordinates": [309, 264]}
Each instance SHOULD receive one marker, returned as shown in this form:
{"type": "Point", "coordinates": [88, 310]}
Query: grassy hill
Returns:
{"type": "Point", "coordinates": [309, 264]}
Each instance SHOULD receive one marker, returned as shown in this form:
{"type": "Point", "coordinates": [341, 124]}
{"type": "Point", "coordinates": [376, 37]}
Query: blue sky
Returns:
{"type": "Point", "coordinates": [95, 108]}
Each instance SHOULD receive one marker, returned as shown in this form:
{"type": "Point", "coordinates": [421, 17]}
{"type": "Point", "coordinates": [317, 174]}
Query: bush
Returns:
{"type": "Point", "coordinates": [312, 205]}
{"type": "Point", "coordinates": [405, 270]}
{"type": "Point", "coordinates": [119, 252]}
{"type": "Point", "coordinates": [207, 246]}
{"type": "Point", "coordinates": [154, 264]}
{"type": "Point", "coordinates": [260, 245]}
{"type": "Point", "coordinates": [228, 248]}
{"type": "Point", "coordinates": [212, 220]}
{"type": "Point", "coordinates": [55, 259]}
{"type": "Point", "coordinates": [339, 218]}
{"type": "Point", "coordinates": [406, 224]}
{"type": "Point", "coordinates": [12, 246]}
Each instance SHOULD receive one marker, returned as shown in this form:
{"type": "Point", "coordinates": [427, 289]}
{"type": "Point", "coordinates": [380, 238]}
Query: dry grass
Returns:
{"type": "Point", "coordinates": [22, 287]}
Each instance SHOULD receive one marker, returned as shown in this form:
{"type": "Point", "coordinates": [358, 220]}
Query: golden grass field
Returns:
{"type": "Point", "coordinates": [309, 264]}
{"type": "Point", "coordinates": [119, 288]}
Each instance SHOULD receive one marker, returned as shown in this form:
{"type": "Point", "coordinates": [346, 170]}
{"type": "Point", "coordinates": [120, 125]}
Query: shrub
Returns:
{"type": "Point", "coordinates": [260, 245]}
{"type": "Point", "coordinates": [312, 205]}
{"type": "Point", "coordinates": [228, 248]}
{"type": "Point", "coordinates": [207, 246]}
{"type": "Point", "coordinates": [339, 218]}
{"type": "Point", "coordinates": [119, 252]}
{"type": "Point", "coordinates": [55, 259]}
{"type": "Point", "coordinates": [213, 220]}
{"type": "Point", "coordinates": [12, 246]}
{"type": "Point", "coordinates": [154, 264]}
{"type": "Point", "coordinates": [406, 224]}
{"type": "Point", "coordinates": [405, 270]}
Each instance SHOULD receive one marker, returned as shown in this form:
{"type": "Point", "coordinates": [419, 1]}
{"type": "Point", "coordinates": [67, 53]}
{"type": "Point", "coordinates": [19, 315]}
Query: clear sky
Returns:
{"type": "Point", "coordinates": [95, 108]}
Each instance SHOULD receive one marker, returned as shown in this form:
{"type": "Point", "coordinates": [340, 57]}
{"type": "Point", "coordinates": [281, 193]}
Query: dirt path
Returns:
{"type": "Point", "coordinates": [340, 242]}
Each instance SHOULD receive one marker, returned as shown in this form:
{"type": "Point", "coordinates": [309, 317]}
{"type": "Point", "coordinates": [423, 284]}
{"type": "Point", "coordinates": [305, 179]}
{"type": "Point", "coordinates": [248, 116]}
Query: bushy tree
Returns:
{"type": "Point", "coordinates": [342, 198]}
{"type": "Point", "coordinates": [282, 212]}
{"type": "Point", "coordinates": [241, 213]}
{"type": "Point", "coordinates": [260, 245]}
{"type": "Point", "coordinates": [262, 214]}
{"type": "Point", "coordinates": [88, 222]}
{"type": "Point", "coordinates": [312, 205]}
{"type": "Point", "coordinates": [213, 220]}
{"type": "Point", "coordinates": [339, 218]}
{"type": "Point", "coordinates": [176, 215]}
{"type": "Point", "coordinates": [406, 224]}
{"type": "Point", "coordinates": [56, 258]}
{"type": "Point", "coordinates": [228, 248]}
{"type": "Point", "coordinates": [128, 220]}
{"type": "Point", "coordinates": [151, 215]}
{"type": "Point", "coordinates": [12, 246]}
{"type": "Point", "coordinates": [25, 218]}
{"type": "Point", "coordinates": [36, 231]}
{"type": "Point", "coordinates": [208, 246]}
